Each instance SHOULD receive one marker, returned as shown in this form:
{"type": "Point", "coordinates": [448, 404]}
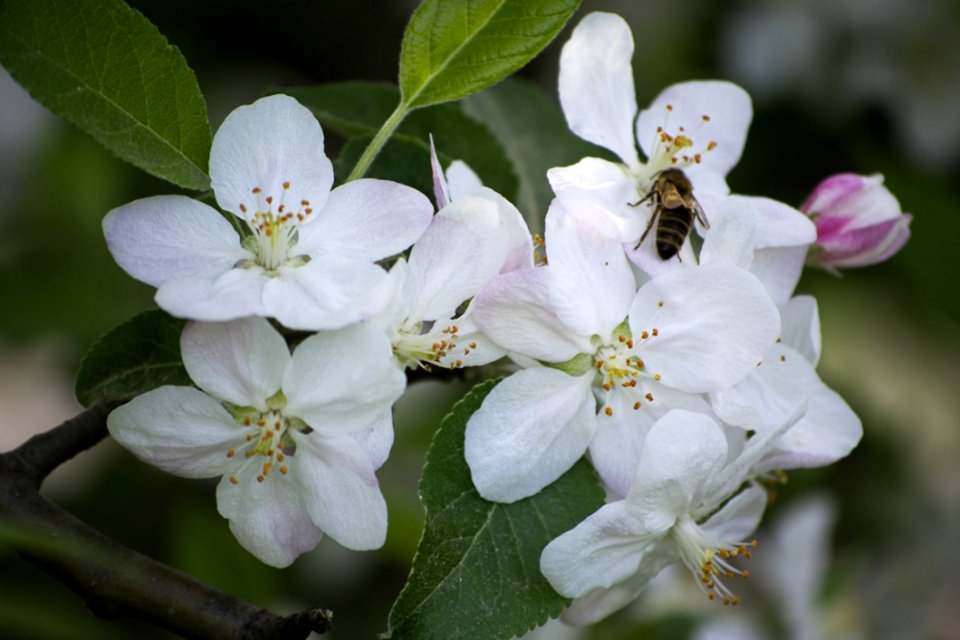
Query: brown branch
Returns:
{"type": "Point", "coordinates": [115, 580]}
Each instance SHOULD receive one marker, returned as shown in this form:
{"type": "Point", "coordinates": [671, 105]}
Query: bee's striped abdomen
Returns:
{"type": "Point", "coordinates": [673, 227]}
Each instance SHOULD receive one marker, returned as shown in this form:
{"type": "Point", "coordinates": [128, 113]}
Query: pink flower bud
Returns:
{"type": "Point", "coordinates": [858, 220]}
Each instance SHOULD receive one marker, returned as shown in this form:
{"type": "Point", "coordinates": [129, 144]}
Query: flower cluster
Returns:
{"type": "Point", "coordinates": [661, 335]}
{"type": "Point", "coordinates": [297, 437]}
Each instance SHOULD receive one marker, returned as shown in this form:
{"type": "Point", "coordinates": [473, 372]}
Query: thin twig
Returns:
{"type": "Point", "coordinates": [115, 580]}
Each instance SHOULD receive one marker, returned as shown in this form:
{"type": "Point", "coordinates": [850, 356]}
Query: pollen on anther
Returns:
{"type": "Point", "coordinates": [649, 397]}
{"type": "Point", "coordinates": [286, 185]}
{"type": "Point", "coordinates": [711, 145]}
{"type": "Point", "coordinates": [656, 377]}
{"type": "Point", "coordinates": [644, 335]}
{"type": "Point", "coordinates": [243, 207]}
{"type": "Point", "coordinates": [655, 332]}
{"type": "Point", "coordinates": [630, 343]}
{"type": "Point", "coordinates": [473, 345]}
{"type": "Point", "coordinates": [608, 411]}
{"type": "Point", "coordinates": [606, 386]}
{"type": "Point", "coordinates": [660, 304]}
{"type": "Point", "coordinates": [669, 107]}
{"type": "Point", "coordinates": [256, 190]}
{"type": "Point", "coordinates": [705, 118]}
{"type": "Point", "coordinates": [233, 480]}
{"type": "Point", "coordinates": [231, 453]}
{"type": "Point", "coordinates": [636, 405]}
{"type": "Point", "coordinates": [247, 421]}
{"type": "Point", "coordinates": [783, 358]}
{"type": "Point", "coordinates": [279, 457]}
{"type": "Point", "coordinates": [283, 469]}
{"type": "Point", "coordinates": [259, 478]}
{"type": "Point", "coordinates": [261, 422]}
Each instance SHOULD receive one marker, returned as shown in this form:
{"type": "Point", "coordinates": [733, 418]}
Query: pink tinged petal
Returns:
{"type": "Point", "coordinates": [466, 245]}
{"type": "Point", "coordinates": [343, 381]}
{"type": "Point", "coordinates": [682, 452]}
{"type": "Point", "coordinates": [728, 108]}
{"type": "Point", "coordinates": [268, 518]}
{"type": "Point", "coordinates": [236, 293]}
{"type": "Point", "coordinates": [531, 429]}
{"type": "Point", "coordinates": [600, 603]}
{"type": "Point", "coordinates": [591, 283]}
{"type": "Point", "coordinates": [162, 238]}
{"type": "Point", "coordinates": [461, 180]}
{"type": "Point", "coordinates": [800, 329]}
{"type": "Point", "coordinates": [241, 362]}
{"type": "Point", "coordinates": [713, 324]}
{"type": "Point", "coordinates": [867, 245]}
{"type": "Point", "coordinates": [771, 394]}
{"type": "Point", "coordinates": [366, 220]}
{"type": "Point", "coordinates": [339, 490]}
{"type": "Point", "coordinates": [779, 270]}
{"type": "Point", "coordinates": [615, 450]}
{"type": "Point", "coordinates": [603, 550]}
{"type": "Point", "coordinates": [269, 144]}
{"type": "Point", "coordinates": [440, 190]}
{"type": "Point", "coordinates": [828, 431]}
{"type": "Point", "coordinates": [328, 292]}
{"type": "Point", "coordinates": [830, 193]}
{"type": "Point", "coordinates": [178, 429]}
{"type": "Point", "coordinates": [739, 518]}
{"type": "Point", "coordinates": [593, 182]}
{"type": "Point", "coordinates": [515, 312]}
{"type": "Point", "coordinates": [596, 84]}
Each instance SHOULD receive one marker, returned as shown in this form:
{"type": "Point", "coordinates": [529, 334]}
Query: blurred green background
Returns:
{"type": "Point", "coordinates": [839, 85]}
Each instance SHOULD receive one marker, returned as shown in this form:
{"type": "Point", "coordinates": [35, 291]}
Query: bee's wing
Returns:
{"type": "Point", "coordinates": [698, 211]}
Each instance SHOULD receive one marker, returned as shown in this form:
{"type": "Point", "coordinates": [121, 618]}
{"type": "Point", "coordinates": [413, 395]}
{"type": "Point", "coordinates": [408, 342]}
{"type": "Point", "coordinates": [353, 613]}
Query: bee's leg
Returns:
{"type": "Point", "coordinates": [641, 200]}
{"type": "Point", "coordinates": [653, 219]}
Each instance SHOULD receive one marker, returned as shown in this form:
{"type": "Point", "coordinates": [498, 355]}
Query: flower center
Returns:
{"type": "Point", "coordinates": [619, 367]}
{"type": "Point", "coordinates": [709, 559]}
{"type": "Point", "coordinates": [268, 442]}
{"type": "Point", "coordinates": [677, 148]}
{"type": "Point", "coordinates": [275, 230]}
{"type": "Point", "coordinates": [422, 345]}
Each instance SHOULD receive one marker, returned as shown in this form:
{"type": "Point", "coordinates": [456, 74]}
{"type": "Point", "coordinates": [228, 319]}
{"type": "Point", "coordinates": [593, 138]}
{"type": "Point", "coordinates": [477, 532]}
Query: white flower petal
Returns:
{"type": "Point", "coordinates": [771, 394]}
{"type": "Point", "coordinates": [340, 490]}
{"type": "Point", "coordinates": [441, 192]}
{"type": "Point", "coordinates": [596, 84]}
{"type": "Point", "coordinates": [739, 518]}
{"type": "Point", "coordinates": [601, 551]}
{"type": "Point", "coordinates": [367, 219]}
{"type": "Point", "coordinates": [591, 284]}
{"type": "Point", "coordinates": [328, 292]}
{"type": "Point", "coordinates": [178, 429]}
{"type": "Point", "coordinates": [236, 293]}
{"type": "Point", "coordinates": [530, 429]}
{"type": "Point", "coordinates": [162, 238]}
{"type": "Point", "coordinates": [343, 381]}
{"type": "Point", "coordinates": [461, 180]}
{"type": "Point", "coordinates": [682, 452]}
{"type": "Point", "coordinates": [273, 141]}
{"type": "Point", "coordinates": [592, 182]}
{"type": "Point", "coordinates": [682, 107]}
{"type": "Point", "coordinates": [779, 224]}
{"type": "Point", "coordinates": [615, 450]}
{"type": "Point", "coordinates": [731, 238]}
{"type": "Point", "coordinates": [241, 362]}
{"type": "Point", "coordinates": [465, 246]}
{"type": "Point", "coordinates": [268, 518]}
{"type": "Point", "coordinates": [377, 440]}
{"type": "Point", "coordinates": [600, 603]}
{"type": "Point", "coordinates": [828, 431]}
{"type": "Point", "coordinates": [801, 327]}
{"type": "Point", "coordinates": [713, 324]}
{"type": "Point", "coordinates": [779, 270]}
{"type": "Point", "coordinates": [515, 312]}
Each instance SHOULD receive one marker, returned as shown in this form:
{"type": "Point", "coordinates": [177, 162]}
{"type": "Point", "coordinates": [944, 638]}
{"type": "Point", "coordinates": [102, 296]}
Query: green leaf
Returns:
{"type": "Point", "coordinates": [536, 137]}
{"type": "Point", "coordinates": [476, 575]}
{"type": "Point", "coordinates": [133, 358]}
{"type": "Point", "coordinates": [453, 48]}
{"type": "Point", "coordinates": [355, 109]}
{"type": "Point", "coordinates": [105, 68]}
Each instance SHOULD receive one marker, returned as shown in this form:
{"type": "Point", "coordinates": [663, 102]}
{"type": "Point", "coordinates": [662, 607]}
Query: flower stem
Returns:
{"type": "Point", "coordinates": [370, 153]}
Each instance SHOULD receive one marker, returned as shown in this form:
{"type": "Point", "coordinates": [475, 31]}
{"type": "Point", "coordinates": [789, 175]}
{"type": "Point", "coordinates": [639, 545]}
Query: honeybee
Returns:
{"type": "Point", "coordinates": [675, 207]}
